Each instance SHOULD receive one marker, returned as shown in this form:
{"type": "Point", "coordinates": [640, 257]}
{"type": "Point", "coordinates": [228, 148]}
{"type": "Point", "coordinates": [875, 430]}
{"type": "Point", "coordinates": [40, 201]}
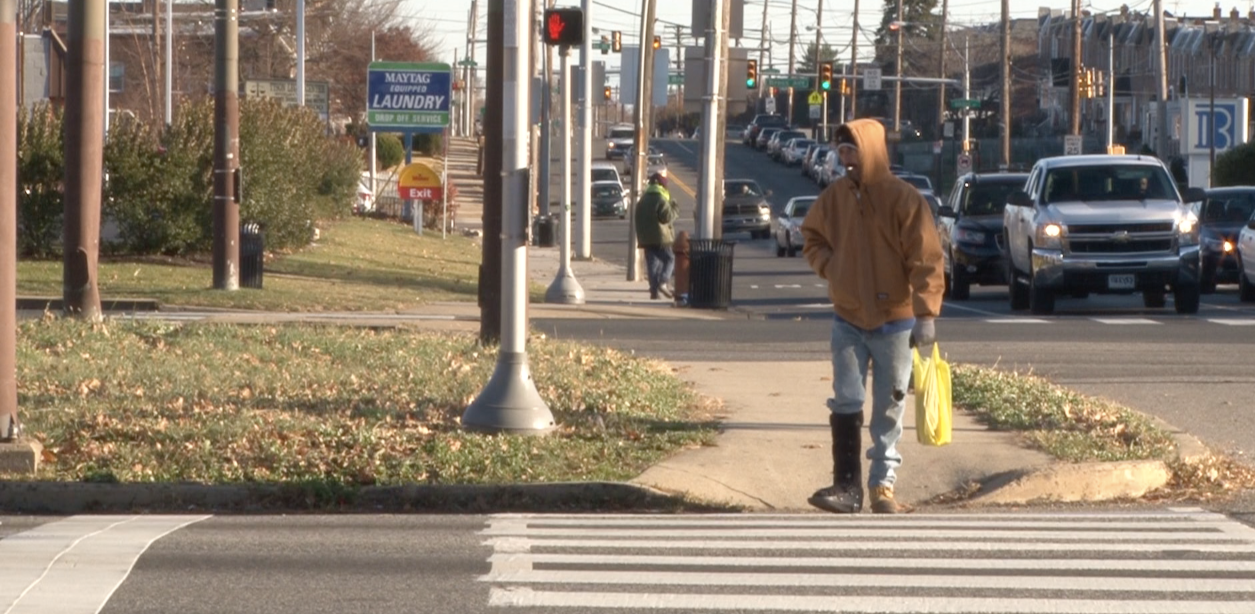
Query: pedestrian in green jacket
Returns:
{"type": "Point", "coordinates": [654, 220]}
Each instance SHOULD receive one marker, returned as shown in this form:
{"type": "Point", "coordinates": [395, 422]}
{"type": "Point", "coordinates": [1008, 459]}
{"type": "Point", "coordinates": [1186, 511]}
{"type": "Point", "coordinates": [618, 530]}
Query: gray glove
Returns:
{"type": "Point", "coordinates": [924, 335]}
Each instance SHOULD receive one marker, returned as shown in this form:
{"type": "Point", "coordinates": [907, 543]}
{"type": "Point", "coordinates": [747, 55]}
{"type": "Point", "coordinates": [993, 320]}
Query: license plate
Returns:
{"type": "Point", "coordinates": [1121, 282]}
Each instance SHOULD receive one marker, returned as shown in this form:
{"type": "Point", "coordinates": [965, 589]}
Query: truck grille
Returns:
{"type": "Point", "coordinates": [740, 210]}
{"type": "Point", "coordinates": [1113, 228]}
{"type": "Point", "coordinates": [1129, 247]}
{"type": "Point", "coordinates": [1143, 238]}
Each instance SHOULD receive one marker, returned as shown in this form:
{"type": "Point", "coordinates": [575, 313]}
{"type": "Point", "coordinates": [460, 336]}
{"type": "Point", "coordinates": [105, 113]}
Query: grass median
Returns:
{"type": "Point", "coordinates": [336, 407]}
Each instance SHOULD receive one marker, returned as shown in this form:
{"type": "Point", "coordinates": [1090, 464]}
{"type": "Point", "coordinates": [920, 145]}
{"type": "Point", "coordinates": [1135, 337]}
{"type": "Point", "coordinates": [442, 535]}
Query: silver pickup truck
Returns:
{"type": "Point", "coordinates": [1101, 224]}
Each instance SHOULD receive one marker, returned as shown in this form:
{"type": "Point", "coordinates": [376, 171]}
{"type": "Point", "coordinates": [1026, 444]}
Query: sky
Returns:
{"type": "Point", "coordinates": [448, 18]}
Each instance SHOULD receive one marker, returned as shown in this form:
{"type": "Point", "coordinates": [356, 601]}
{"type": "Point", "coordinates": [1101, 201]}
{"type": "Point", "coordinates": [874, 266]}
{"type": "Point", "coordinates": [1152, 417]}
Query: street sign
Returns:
{"type": "Point", "coordinates": [468, 62]}
{"type": "Point", "coordinates": [675, 78]}
{"type": "Point", "coordinates": [964, 103]}
{"type": "Point", "coordinates": [947, 130]}
{"type": "Point", "coordinates": [964, 163]}
{"type": "Point", "coordinates": [770, 105]}
{"type": "Point", "coordinates": [408, 96]}
{"type": "Point", "coordinates": [871, 79]}
{"type": "Point", "coordinates": [788, 81]}
{"type": "Point", "coordinates": [815, 99]}
{"type": "Point", "coordinates": [316, 93]}
{"type": "Point", "coordinates": [936, 147]}
{"type": "Point", "coordinates": [815, 111]}
{"type": "Point", "coordinates": [417, 181]}
{"type": "Point", "coordinates": [1072, 145]}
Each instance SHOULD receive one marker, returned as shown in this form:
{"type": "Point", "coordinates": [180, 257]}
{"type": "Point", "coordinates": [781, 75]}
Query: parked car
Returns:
{"type": "Point", "coordinates": [650, 160]}
{"type": "Point", "coordinates": [745, 208]}
{"type": "Point", "coordinates": [1105, 224]}
{"type": "Point", "coordinates": [814, 160]}
{"type": "Point", "coordinates": [921, 182]}
{"type": "Point", "coordinates": [764, 137]}
{"type": "Point", "coordinates": [788, 231]}
{"type": "Point", "coordinates": [608, 199]}
{"type": "Point", "coordinates": [969, 224]}
{"type": "Point", "coordinates": [1246, 263]}
{"type": "Point", "coordinates": [793, 151]}
{"type": "Point", "coordinates": [775, 147]}
{"type": "Point", "coordinates": [619, 140]}
{"type": "Point", "coordinates": [604, 171]}
{"type": "Point", "coordinates": [829, 169]}
{"type": "Point", "coordinates": [764, 120]}
{"type": "Point", "coordinates": [1222, 217]}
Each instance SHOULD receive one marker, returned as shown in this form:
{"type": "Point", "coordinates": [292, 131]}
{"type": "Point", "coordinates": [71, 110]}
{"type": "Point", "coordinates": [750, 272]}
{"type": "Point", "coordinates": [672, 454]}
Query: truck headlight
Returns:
{"type": "Point", "coordinates": [1049, 236]}
{"type": "Point", "coordinates": [1188, 230]}
{"type": "Point", "coordinates": [764, 210]}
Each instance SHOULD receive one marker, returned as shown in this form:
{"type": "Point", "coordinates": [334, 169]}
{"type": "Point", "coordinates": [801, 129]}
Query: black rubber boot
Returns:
{"type": "Point", "coordinates": [845, 496]}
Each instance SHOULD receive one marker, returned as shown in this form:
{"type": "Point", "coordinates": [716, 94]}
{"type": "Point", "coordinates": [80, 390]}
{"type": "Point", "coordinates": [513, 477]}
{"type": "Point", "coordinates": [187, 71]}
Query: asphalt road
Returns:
{"type": "Point", "coordinates": [1193, 371]}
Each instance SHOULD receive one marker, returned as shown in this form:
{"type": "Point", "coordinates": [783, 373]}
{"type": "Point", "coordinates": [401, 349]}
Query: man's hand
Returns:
{"type": "Point", "coordinates": [924, 335]}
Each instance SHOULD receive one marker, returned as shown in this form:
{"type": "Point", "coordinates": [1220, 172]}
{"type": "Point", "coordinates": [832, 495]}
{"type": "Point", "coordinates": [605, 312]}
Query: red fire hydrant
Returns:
{"type": "Point", "coordinates": [681, 250]}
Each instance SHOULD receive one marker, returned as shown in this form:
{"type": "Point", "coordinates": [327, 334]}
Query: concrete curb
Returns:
{"type": "Point", "coordinates": [40, 303]}
{"type": "Point", "coordinates": [58, 498]}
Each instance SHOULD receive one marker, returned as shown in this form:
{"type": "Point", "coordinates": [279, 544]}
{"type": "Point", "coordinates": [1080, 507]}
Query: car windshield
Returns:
{"type": "Point", "coordinates": [1108, 183]}
{"type": "Point", "coordinates": [622, 133]}
{"type": "Point", "coordinates": [785, 136]}
{"type": "Point", "coordinates": [988, 198]}
{"type": "Point", "coordinates": [741, 188]}
{"type": "Point", "coordinates": [771, 120]}
{"type": "Point", "coordinates": [1229, 208]}
{"type": "Point", "coordinates": [919, 181]}
{"type": "Point", "coordinates": [801, 207]}
{"type": "Point", "coordinates": [607, 191]}
{"type": "Point", "coordinates": [605, 174]}
{"type": "Point", "coordinates": [656, 159]}
{"type": "Point", "coordinates": [802, 144]}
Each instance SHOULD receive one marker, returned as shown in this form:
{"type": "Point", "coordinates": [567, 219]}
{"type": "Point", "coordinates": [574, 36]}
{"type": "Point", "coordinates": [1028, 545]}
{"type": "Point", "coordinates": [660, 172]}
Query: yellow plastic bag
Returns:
{"type": "Point", "coordinates": [933, 410]}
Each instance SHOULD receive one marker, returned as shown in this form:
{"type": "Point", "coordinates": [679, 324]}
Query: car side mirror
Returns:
{"type": "Point", "coordinates": [947, 211]}
{"type": "Point", "coordinates": [1019, 198]}
{"type": "Point", "coordinates": [1195, 195]}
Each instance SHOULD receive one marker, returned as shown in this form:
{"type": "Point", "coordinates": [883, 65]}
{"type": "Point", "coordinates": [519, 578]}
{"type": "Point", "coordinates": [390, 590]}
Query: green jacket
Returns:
{"type": "Point", "coordinates": [654, 216]}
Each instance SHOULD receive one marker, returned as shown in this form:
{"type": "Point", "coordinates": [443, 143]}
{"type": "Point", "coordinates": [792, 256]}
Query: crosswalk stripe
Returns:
{"type": "Point", "coordinates": [1017, 321]}
{"type": "Point", "coordinates": [1179, 560]}
{"type": "Point", "coordinates": [1123, 321]}
{"type": "Point", "coordinates": [897, 604]}
{"type": "Point", "coordinates": [1232, 321]}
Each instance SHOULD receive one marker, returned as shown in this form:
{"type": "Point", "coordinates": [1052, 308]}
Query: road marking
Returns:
{"type": "Point", "coordinates": [1123, 321]}
{"type": "Point", "coordinates": [74, 565]}
{"type": "Point", "coordinates": [1232, 322]}
{"type": "Point", "coordinates": [971, 309]}
{"type": "Point", "coordinates": [1183, 560]}
{"type": "Point", "coordinates": [787, 286]}
{"type": "Point", "coordinates": [1017, 321]}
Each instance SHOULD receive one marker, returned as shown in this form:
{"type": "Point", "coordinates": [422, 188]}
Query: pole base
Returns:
{"type": "Point", "coordinates": [509, 402]}
{"type": "Point", "coordinates": [20, 456]}
{"type": "Point", "coordinates": [565, 290]}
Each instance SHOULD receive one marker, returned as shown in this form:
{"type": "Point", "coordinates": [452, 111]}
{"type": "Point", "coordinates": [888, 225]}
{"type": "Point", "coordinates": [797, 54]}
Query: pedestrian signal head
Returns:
{"type": "Point", "coordinates": [563, 26]}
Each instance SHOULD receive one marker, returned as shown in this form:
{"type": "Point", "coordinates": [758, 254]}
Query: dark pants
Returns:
{"type": "Point", "coordinates": [659, 263]}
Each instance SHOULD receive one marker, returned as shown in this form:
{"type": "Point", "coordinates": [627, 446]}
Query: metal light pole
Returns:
{"type": "Point", "coordinates": [792, 53]}
{"type": "Point", "coordinates": [709, 189]}
{"type": "Point", "coordinates": [643, 118]}
{"type": "Point", "coordinates": [941, 74]}
{"type": "Point", "coordinates": [8, 220]}
{"type": "Point", "coordinates": [509, 402]}
{"type": "Point", "coordinates": [84, 157]}
{"type": "Point", "coordinates": [819, 32]}
{"type": "Point", "coordinates": [226, 207]}
{"type": "Point", "coordinates": [584, 250]}
{"type": "Point", "coordinates": [897, 73]}
{"type": "Point", "coordinates": [170, 62]}
{"type": "Point", "coordinates": [300, 53]}
{"type": "Point", "coordinates": [1111, 88]}
{"type": "Point", "coordinates": [373, 143]}
{"type": "Point", "coordinates": [854, 67]}
{"type": "Point", "coordinates": [565, 289]}
{"type": "Point", "coordinates": [967, 92]}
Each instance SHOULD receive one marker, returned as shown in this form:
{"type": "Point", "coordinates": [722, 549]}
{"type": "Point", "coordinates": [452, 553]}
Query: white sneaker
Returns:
{"type": "Point", "coordinates": [665, 290]}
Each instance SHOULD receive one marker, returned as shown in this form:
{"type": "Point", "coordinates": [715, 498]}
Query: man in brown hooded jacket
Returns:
{"type": "Point", "coordinates": [872, 237]}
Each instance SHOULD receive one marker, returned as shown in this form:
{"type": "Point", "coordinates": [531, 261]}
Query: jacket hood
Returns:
{"type": "Point", "coordinates": [869, 134]}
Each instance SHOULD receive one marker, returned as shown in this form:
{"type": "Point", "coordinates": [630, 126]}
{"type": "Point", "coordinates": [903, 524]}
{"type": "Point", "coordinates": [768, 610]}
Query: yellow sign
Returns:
{"type": "Point", "coordinates": [815, 98]}
{"type": "Point", "coordinates": [1115, 150]}
{"type": "Point", "coordinates": [418, 181]}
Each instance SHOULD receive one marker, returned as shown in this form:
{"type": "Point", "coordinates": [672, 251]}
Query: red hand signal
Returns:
{"type": "Point", "coordinates": [556, 25]}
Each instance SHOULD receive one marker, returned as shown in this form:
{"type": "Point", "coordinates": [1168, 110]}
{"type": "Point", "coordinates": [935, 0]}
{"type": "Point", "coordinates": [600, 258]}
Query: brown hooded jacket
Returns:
{"type": "Point", "coordinates": [875, 241]}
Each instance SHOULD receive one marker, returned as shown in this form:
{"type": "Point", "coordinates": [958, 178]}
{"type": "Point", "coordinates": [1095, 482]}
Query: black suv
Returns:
{"type": "Point", "coordinates": [969, 223]}
{"type": "Point", "coordinates": [1222, 216]}
{"type": "Point", "coordinates": [750, 136]}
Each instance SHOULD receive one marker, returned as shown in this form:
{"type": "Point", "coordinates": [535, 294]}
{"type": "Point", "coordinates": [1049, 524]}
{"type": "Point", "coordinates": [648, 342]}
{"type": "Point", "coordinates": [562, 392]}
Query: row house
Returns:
{"type": "Point", "coordinates": [1123, 43]}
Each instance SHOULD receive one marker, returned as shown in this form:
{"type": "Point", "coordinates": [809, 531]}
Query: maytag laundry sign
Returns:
{"type": "Point", "coordinates": [408, 96]}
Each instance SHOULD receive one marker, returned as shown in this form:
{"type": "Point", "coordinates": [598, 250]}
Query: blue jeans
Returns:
{"type": "Point", "coordinates": [890, 358]}
{"type": "Point", "coordinates": [660, 264]}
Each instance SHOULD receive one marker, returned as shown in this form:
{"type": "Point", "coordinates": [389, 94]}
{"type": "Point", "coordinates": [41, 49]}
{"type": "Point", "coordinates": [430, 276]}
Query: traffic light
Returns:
{"type": "Point", "coordinates": [563, 26]}
{"type": "Point", "coordinates": [751, 74]}
{"type": "Point", "coordinates": [845, 87]}
{"type": "Point", "coordinates": [605, 44]}
{"type": "Point", "coordinates": [825, 76]}
{"type": "Point", "coordinates": [607, 93]}
{"type": "Point", "coordinates": [657, 42]}
{"type": "Point", "coordinates": [771, 91]}
{"type": "Point", "coordinates": [616, 41]}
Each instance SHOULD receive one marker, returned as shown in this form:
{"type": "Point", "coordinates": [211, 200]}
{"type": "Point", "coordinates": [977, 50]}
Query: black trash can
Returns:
{"type": "Point", "coordinates": [252, 255]}
{"type": "Point", "coordinates": [710, 273]}
{"type": "Point", "coordinates": [546, 231]}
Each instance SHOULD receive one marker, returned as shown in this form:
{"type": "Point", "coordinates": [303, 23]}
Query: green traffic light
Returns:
{"type": "Point", "coordinates": [826, 85]}
{"type": "Point", "coordinates": [749, 83]}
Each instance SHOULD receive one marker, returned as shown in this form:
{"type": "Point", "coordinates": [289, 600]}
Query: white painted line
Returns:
{"type": "Point", "coordinates": [897, 604]}
{"type": "Point", "coordinates": [816, 533]}
{"type": "Point", "coordinates": [1122, 321]}
{"type": "Point", "coordinates": [860, 580]}
{"type": "Point", "coordinates": [515, 562]}
{"type": "Point", "coordinates": [74, 565]}
{"type": "Point", "coordinates": [753, 287]}
{"type": "Point", "coordinates": [787, 286]}
{"type": "Point", "coordinates": [1232, 322]}
{"type": "Point", "coordinates": [888, 543]}
{"type": "Point", "coordinates": [1018, 321]}
{"type": "Point", "coordinates": [816, 306]}
{"type": "Point", "coordinates": [1181, 513]}
{"type": "Point", "coordinates": [1012, 522]}
{"type": "Point", "coordinates": [951, 305]}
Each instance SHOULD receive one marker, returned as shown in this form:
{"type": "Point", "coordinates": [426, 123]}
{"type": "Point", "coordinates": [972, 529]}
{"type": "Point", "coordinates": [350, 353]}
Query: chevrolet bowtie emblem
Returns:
{"type": "Point", "coordinates": [1121, 236]}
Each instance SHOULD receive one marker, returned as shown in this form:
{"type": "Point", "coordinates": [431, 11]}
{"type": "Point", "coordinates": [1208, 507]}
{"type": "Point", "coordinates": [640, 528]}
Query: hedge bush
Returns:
{"type": "Point", "coordinates": [389, 150]}
{"type": "Point", "coordinates": [41, 173]}
{"type": "Point", "coordinates": [1234, 167]}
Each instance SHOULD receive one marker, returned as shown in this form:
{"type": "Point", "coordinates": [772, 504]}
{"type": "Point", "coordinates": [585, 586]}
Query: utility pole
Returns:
{"type": "Point", "coordinates": [1074, 110]}
{"type": "Point", "coordinates": [490, 268]}
{"type": "Point", "coordinates": [565, 289]}
{"type": "Point", "coordinates": [709, 188]}
{"type": "Point", "coordinates": [1211, 113]}
{"type": "Point", "coordinates": [1161, 80]}
{"type": "Point", "coordinates": [967, 92]}
{"type": "Point", "coordinates": [509, 402]}
{"type": "Point", "coordinates": [763, 36]}
{"type": "Point", "coordinates": [472, 33]}
{"type": "Point", "coordinates": [721, 96]}
{"type": "Point", "coordinates": [1111, 87]}
{"type": "Point", "coordinates": [1005, 163]}
{"type": "Point", "coordinates": [546, 131]}
{"type": "Point", "coordinates": [8, 221]}
{"type": "Point", "coordinates": [373, 157]}
{"type": "Point", "coordinates": [897, 83]}
{"type": "Point", "coordinates": [169, 73]}
{"type": "Point", "coordinates": [941, 71]}
{"type": "Point", "coordinates": [300, 53]}
{"type": "Point", "coordinates": [642, 116]}
{"type": "Point", "coordinates": [822, 134]}
{"type": "Point", "coordinates": [792, 52]}
{"type": "Point", "coordinates": [584, 247]}
{"type": "Point", "coordinates": [226, 209]}
{"type": "Point", "coordinates": [84, 157]}
{"type": "Point", "coordinates": [853, 71]}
